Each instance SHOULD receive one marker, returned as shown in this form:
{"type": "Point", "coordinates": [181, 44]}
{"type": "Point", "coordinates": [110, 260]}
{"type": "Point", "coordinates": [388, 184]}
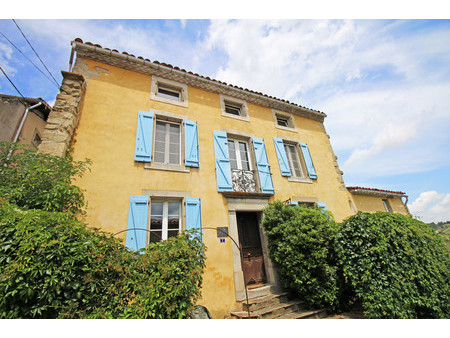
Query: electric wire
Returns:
{"type": "Point", "coordinates": [13, 86]}
{"type": "Point", "coordinates": [35, 52]}
{"type": "Point", "coordinates": [12, 44]}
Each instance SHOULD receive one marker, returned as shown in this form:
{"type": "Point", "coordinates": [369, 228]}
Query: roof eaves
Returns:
{"type": "Point", "coordinates": [131, 62]}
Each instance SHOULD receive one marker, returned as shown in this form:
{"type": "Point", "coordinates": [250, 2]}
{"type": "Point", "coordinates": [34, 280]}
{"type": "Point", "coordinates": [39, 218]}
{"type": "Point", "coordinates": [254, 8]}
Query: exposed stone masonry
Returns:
{"type": "Point", "coordinates": [64, 116]}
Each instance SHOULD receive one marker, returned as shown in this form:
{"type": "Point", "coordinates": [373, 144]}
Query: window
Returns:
{"type": "Point", "coordinates": [295, 164]}
{"type": "Point", "coordinates": [36, 139]}
{"type": "Point", "coordinates": [284, 121]}
{"type": "Point", "coordinates": [165, 220]}
{"type": "Point", "coordinates": [387, 205]}
{"type": "Point", "coordinates": [167, 142]}
{"type": "Point", "coordinates": [233, 107]}
{"type": "Point", "coordinates": [294, 160]}
{"type": "Point", "coordinates": [238, 152]}
{"type": "Point", "coordinates": [168, 91]}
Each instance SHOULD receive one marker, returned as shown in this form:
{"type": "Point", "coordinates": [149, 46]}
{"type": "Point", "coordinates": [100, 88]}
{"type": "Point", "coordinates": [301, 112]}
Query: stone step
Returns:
{"type": "Point", "coordinates": [264, 301]}
{"type": "Point", "coordinates": [304, 314]}
{"type": "Point", "coordinates": [262, 291]}
{"type": "Point", "coordinates": [271, 311]}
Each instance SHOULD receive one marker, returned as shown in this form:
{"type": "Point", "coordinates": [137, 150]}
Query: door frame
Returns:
{"type": "Point", "coordinates": [250, 205]}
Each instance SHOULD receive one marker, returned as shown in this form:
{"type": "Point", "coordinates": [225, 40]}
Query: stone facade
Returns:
{"type": "Point", "coordinates": [64, 117]}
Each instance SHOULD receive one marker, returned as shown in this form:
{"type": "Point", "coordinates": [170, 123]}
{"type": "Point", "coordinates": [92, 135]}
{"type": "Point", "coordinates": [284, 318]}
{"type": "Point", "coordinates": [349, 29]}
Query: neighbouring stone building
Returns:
{"type": "Point", "coordinates": [23, 119]}
{"type": "Point", "coordinates": [174, 150]}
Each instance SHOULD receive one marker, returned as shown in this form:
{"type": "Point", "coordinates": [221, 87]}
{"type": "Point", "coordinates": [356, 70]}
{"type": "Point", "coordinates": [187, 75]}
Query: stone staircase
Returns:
{"type": "Point", "coordinates": [266, 303]}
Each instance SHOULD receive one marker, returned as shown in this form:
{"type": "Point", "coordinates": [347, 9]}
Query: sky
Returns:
{"type": "Point", "coordinates": [384, 84]}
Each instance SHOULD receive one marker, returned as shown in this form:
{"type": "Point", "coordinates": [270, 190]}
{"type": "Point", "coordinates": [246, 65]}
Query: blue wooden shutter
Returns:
{"type": "Point", "coordinates": [308, 161]}
{"type": "Point", "coordinates": [144, 137]}
{"type": "Point", "coordinates": [322, 205]}
{"type": "Point", "coordinates": [282, 158]}
{"type": "Point", "coordinates": [137, 222]}
{"type": "Point", "coordinates": [265, 178]}
{"type": "Point", "coordinates": [223, 169]}
{"type": "Point", "coordinates": [193, 214]}
{"type": "Point", "coordinates": [191, 144]}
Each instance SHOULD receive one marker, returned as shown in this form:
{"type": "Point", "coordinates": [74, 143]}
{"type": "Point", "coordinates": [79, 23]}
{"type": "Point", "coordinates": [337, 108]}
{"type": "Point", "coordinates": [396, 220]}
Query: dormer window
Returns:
{"type": "Point", "coordinates": [169, 91]}
{"type": "Point", "coordinates": [284, 121]}
{"type": "Point", "coordinates": [234, 108]}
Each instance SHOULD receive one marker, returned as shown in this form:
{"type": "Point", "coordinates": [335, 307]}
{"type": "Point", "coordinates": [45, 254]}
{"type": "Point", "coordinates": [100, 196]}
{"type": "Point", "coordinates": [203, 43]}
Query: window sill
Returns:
{"type": "Point", "coordinates": [242, 118]}
{"type": "Point", "coordinates": [299, 179]}
{"type": "Point", "coordinates": [294, 130]}
{"type": "Point", "coordinates": [169, 101]}
{"type": "Point", "coordinates": [167, 167]}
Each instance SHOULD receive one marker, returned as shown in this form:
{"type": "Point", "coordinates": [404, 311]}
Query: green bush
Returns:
{"type": "Point", "coordinates": [397, 266]}
{"type": "Point", "coordinates": [35, 180]}
{"type": "Point", "coordinates": [53, 266]}
{"type": "Point", "coordinates": [300, 243]}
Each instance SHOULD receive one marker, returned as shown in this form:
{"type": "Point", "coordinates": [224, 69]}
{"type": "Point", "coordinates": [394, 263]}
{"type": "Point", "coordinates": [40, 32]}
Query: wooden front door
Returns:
{"type": "Point", "coordinates": [250, 241]}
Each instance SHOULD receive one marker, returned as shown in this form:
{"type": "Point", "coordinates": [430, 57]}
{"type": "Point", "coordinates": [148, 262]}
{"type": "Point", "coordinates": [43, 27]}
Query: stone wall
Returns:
{"type": "Point", "coordinates": [64, 116]}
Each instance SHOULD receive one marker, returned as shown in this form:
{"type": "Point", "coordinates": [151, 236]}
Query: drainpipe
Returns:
{"type": "Point", "coordinates": [24, 117]}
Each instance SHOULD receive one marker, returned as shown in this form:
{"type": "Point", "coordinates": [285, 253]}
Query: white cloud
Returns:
{"type": "Point", "coordinates": [431, 206]}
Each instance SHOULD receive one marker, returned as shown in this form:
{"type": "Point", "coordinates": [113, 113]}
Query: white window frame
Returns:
{"type": "Point", "coordinates": [182, 89]}
{"type": "Point", "coordinates": [285, 116]}
{"type": "Point", "coordinates": [232, 101]}
{"type": "Point", "coordinates": [238, 153]}
{"type": "Point", "coordinates": [164, 116]}
{"type": "Point", "coordinates": [296, 143]}
{"type": "Point", "coordinates": [291, 160]}
{"type": "Point", "coordinates": [167, 141]}
{"type": "Point", "coordinates": [165, 217]}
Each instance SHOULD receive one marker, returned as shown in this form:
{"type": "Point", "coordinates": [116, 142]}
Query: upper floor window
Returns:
{"type": "Point", "coordinates": [167, 142]}
{"type": "Point", "coordinates": [233, 107]}
{"type": "Point", "coordinates": [295, 160]}
{"type": "Point", "coordinates": [239, 156]}
{"type": "Point", "coordinates": [169, 91]}
{"type": "Point", "coordinates": [296, 166]}
{"type": "Point", "coordinates": [284, 121]}
{"type": "Point", "coordinates": [163, 139]}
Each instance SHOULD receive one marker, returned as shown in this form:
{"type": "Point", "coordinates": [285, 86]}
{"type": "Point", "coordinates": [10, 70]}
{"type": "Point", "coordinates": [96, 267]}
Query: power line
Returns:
{"type": "Point", "coordinates": [12, 44]}
{"type": "Point", "coordinates": [13, 85]}
{"type": "Point", "coordinates": [35, 52]}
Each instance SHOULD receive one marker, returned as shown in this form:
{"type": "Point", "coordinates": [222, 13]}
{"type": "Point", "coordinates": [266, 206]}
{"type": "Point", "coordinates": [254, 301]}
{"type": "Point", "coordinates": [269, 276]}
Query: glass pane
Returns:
{"type": "Point", "coordinates": [295, 162]}
{"type": "Point", "coordinates": [174, 158]}
{"type": "Point", "coordinates": [155, 236]}
{"type": "Point", "coordinates": [173, 222]}
{"type": "Point", "coordinates": [174, 148]}
{"type": "Point", "coordinates": [167, 93]}
{"type": "Point", "coordinates": [174, 209]}
{"type": "Point", "coordinates": [156, 223]}
{"type": "Point", "coordinates": [172, 233]}
{"type": "Point", "coordinates": [232, 110]}
{"type": "Point", "coordinates": [244, 156]}
{"type": "Point", "coordinates": [232, 154]}
{"type": "Point", "coordinates": [156, 208]}
{"type": "Point", "coordinates": [282, 122]}
{"type": "Point", "coordinates": [174, 129]}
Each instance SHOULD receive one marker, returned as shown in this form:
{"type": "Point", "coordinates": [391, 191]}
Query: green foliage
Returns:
{"type": "Point", "coordinates": [398, 267]}
{"type": "Point", "coordinates": [300, 242]}
{"type": "Point", "coordinates": [35, 180]}
{"type": "Point", "coordinates": [53, 266]}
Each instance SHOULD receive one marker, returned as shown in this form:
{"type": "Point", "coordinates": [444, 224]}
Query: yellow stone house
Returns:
{"type": "Point", "coordinates": [173, 150]}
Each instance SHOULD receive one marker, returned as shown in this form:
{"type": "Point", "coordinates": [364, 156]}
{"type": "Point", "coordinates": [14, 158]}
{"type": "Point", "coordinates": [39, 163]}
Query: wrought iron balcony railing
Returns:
{"type": "Point", "coordinates": [244, 180]}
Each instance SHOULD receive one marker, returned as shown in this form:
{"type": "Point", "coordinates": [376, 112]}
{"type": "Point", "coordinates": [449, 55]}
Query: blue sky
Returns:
{"type": "Point", "coordinates": [384, 84]}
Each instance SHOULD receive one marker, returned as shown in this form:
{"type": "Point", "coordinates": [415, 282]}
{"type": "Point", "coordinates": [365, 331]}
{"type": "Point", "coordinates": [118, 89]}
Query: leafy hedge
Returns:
{"type": "Point", "coordinates": [397, 266]}
{"type": "Point", "coordinates": [35, 180]}
{"type": "Point", "coordinates": [300, 243]}
{"type": "Point", "coordinates": [53, 266]}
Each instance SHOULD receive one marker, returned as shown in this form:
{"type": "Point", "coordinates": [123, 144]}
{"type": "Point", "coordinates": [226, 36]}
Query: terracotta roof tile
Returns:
{"type": "Point", "coordinates": [377, 190]}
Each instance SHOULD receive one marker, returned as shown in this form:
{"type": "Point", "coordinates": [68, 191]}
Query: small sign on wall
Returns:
{"type": "Point", "coordinates": [222, 232]}
{"type": "Point", "coordinates": [222, 240]}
